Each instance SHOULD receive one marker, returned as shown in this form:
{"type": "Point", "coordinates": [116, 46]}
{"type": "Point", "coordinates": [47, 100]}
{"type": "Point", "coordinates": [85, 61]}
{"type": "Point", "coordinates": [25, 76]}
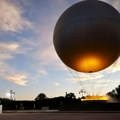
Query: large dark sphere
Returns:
{"type": "Point", "coordinates": [87, 36]}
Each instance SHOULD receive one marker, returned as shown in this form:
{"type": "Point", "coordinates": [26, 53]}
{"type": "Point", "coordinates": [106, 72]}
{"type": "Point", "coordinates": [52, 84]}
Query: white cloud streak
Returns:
{"type": "Point", "coordinates": [19, 79]}
{"type": "Point", "coordinates": [7, 52]}
{"type": "Point", "coordinates": [8, 47]}
{"type": "Point", "coordinates": [48, 55]}
{"type": "Point", "coordinates": [11, 18]}
{"type": "Point", "coordinates": [42, 72]}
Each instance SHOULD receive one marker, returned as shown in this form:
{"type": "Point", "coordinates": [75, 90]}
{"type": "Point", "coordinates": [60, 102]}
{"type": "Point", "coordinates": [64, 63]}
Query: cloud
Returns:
{"type": "Point", "coordinates": [76, 76]}
{"type": "Point", "coordinates": [116, 66]}
{"type": "Point", "coordinates": [108, 81]}
{"type": "Point", "coordinates": [11, 17]}
{"type": "Point", "coordinates": [4, 57]}
{"type": "Point", "coordinates": [47, 56]}
{"type": "Point", "coordinates": [8, 47]}
{"type": "Point", "coordinates": [41, 45]}
{"type": "Point", "coordinates": [7, 52]}
{"type": "Point", "coordinates": [42, 72]}
{"type": "Point", "coordinates": [3, 68]}
{"type": "Point", "coordinates": [19, 79]}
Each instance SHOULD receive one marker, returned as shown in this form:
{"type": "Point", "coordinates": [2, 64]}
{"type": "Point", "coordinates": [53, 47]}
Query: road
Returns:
{"type": "Point", "coordinates": [61, 116]}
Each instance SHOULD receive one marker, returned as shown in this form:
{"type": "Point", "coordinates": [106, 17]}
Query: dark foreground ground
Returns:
{"type": "Point", "coordinates": [62, 116]}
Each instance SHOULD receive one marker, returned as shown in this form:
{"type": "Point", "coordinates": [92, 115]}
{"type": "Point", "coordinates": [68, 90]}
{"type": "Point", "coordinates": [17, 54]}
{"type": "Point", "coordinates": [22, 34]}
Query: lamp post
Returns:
{"type": "Point", "coordinates": [82, 91]}
{"type": "Point", "coordinates": [12, 93]}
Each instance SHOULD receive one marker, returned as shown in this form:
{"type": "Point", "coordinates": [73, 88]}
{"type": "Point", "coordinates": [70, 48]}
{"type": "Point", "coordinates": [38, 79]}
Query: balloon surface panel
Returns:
{"type": "Point", "coordinates": [87, 36]}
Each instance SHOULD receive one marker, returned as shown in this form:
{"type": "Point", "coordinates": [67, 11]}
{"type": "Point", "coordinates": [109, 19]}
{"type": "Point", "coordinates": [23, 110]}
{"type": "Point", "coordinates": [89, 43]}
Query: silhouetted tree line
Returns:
{"type": "Point", "coordinates": [115, 93]}
{"type": "Point", "coordinates": [56, 102]}
{"type": "Point", "coordinates": [40, 101]}
{"type": "Point", "coordinates": [67, 103]}
{"type": "Point", "coordinates": [4, 99]}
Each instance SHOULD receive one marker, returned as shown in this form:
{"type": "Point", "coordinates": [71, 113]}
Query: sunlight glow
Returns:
{"type": "Point", "coordinates": [95, 98]}
{"type": "Point", "coordinates": [8, 94]}
{"type": "Point", "coordinates": [90, 63]}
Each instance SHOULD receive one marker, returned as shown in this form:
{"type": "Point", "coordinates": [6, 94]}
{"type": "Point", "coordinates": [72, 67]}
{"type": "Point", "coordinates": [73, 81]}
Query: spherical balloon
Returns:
{"type": "Point", "coordinates": [87, 36]}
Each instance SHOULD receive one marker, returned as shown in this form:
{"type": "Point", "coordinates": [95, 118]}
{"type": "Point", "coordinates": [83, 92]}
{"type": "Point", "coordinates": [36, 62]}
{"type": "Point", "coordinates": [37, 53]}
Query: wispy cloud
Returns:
{"type": "Point", "coordinates": [42, 72]}
{"type": "Point", "coordinates": [48, 55]}
{"type": "Point", "coordinates": [11, 17]}
{"type": "Point", "coordinates": [77, 76]}
{"type": "Point", "coordinates": [8, 47]}
{"type": "Point", "coordinates": [19, 79]}
{"type": "Point", "coordinates": [117, 68]}
{"type": "Point", "coordinates": [7, 52]}
{"type": "Point", "coordinates": [101, 78]}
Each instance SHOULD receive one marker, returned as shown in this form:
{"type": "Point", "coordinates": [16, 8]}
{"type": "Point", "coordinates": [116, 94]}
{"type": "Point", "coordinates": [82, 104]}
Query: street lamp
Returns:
{"type": "Point", "coordinates": [10, 94]}
{"type": "Point", "coordinates": [82, 91]}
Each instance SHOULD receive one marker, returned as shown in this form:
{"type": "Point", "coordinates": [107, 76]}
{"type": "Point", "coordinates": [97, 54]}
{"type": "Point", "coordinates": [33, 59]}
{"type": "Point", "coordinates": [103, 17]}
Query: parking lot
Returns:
{"type": "Point", "coordinates": [62, 116]}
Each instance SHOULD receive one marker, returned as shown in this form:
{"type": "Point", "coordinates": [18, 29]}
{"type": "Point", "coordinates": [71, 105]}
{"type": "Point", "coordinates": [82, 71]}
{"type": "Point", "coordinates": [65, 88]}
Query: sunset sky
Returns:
{"type": "Point", "coordinates": [29, 64]}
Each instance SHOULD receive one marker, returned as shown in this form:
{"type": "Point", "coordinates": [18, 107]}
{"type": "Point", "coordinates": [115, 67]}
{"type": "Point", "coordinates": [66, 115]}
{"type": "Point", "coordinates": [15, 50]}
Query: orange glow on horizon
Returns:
{"type": "Point", "coordinates": [87, 98]}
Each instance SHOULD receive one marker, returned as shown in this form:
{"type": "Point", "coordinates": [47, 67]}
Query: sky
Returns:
{"type": "Point", "coordinates": [29, 64]}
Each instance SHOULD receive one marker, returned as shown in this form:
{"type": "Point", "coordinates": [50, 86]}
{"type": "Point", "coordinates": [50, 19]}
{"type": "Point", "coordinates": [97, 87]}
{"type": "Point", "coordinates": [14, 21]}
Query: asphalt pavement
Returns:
{"type": "Point", "coordinates": [61, 116]}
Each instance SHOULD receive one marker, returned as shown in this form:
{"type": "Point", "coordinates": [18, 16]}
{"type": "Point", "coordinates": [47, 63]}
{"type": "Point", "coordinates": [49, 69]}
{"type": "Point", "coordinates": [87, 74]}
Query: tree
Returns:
{"type": "Point", "coordinates": [118, 90]}
{"type": "Point", "coordinates": [70, 96]}
{"type": "Point", "coordinates": [115, 93]}
{"type": "Point", "coordinates": [112, 93]}
{"type": "Point", "coordinates": [41, 96]}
